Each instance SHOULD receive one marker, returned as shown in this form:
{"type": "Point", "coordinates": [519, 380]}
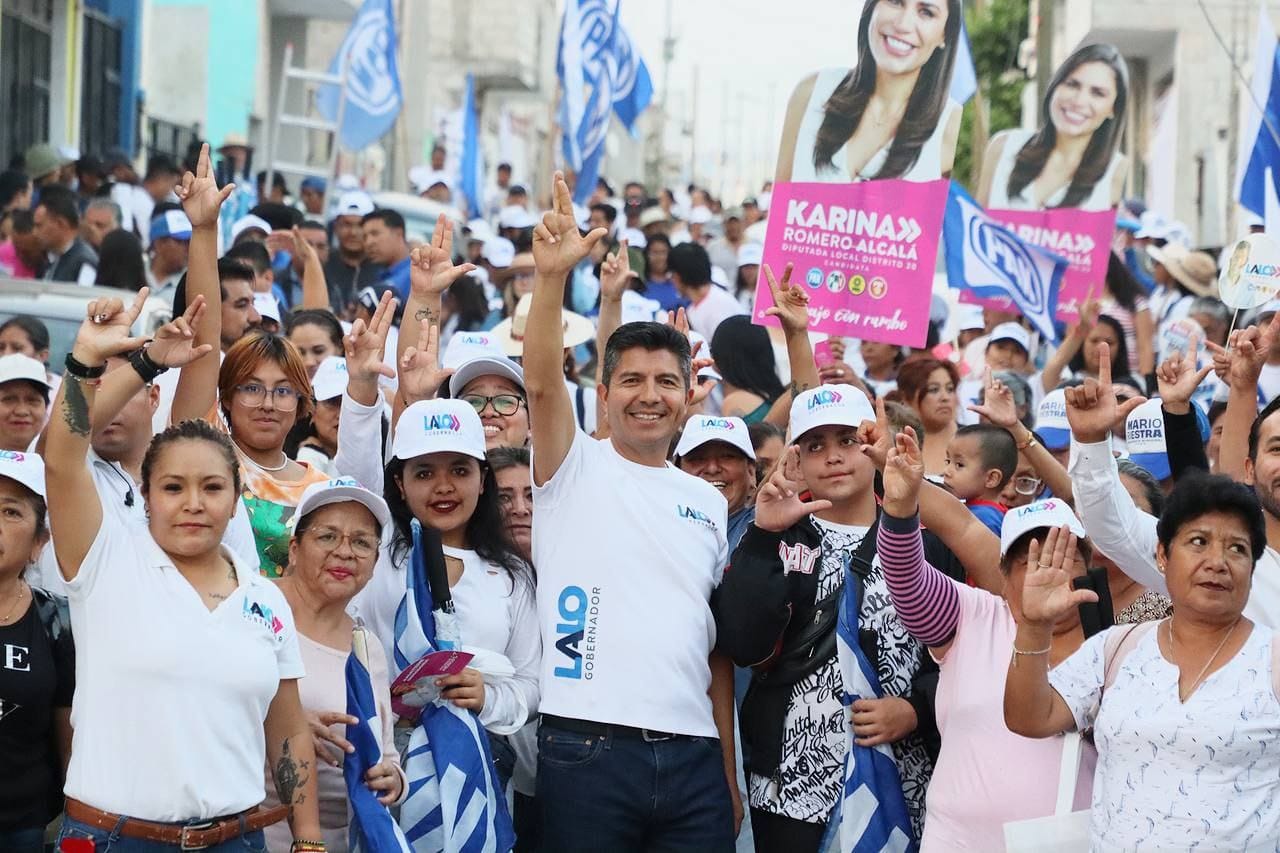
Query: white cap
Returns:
{"type": "Point", "coordinates": [1040, 515]}
{"type": "Point", "coordinates": [267, 306]}
{"type": "Point", "coordinates": [18, 366]}
{"type": "Point", "coordinates": [464, 346]}
{"type": "Point", "coordinates": [480, 231]}
{"type": "Point", "coordinates": [331, 378]}
{"type": "Point", "coordinates": [346, 182]}
{"type": "Point", "coordinates": [489, 364]}
{"type": "Point", "coordinates": [499, 251]}
{"type": "Point", "coordinates": [700, 215]}
{"type": "Point", "coordinates": [336, 491]}
{"type": "Point", "coordinates": [969, 317]}
{"type": "Point", "coordinates": [423, 178]}
{"type": "Point", "coordinates": [354, 203]}
{"type": "Point", "coordinates": [637, 308]}
{"type": "Point", "coordinates": [750, 254]}
{"type": "Point", "coordinates": [515, 216]}
{"type": "Point", "coordinates": [26, 469]}
{"type": "Point", "coordinates": [1051, 420]}
{"type": "Point", "coordinates": [701, 429]}
{"type": "Point", "coordinates": [244, 223]}
{"type": "Point", "coordinates": [1153, 225]}
{"type": "Point", "coordinates": [652, 216]}
{"type": "Point", "coordinates": [829, 405]}
{"type": "Point", "coordinates": [1144, 437]}
{"type": "Point", "coordinates": [1011, 332]}
{"type": "Point", "coordinates": [438, 426]}
{"type": "Point", "coordinates": [635, 238]}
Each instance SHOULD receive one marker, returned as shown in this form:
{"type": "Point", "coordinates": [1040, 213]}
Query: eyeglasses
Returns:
{"type": "Point", "coordinates": [254, 395]}
{"type": "Point", "coordinates": [1026, 485]}
{"type": "Point", "coordinates": [329, 539]}
{"type": "Point", "coordinates": [503, 404]}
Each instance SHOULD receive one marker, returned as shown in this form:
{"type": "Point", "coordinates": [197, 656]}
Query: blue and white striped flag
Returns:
{"type": "Point", "coordinates": [984, 256]}
{"type": "Point", "coordinates": [872, 811]}
{"type": "Point", "coordinates": [456, 803]}
{"type": "Point", "coordinates": [372, 830]}
{"type": "Point", "coordinates": [368, 57]}
{"type": "Point", "coordinates": [600, 73]}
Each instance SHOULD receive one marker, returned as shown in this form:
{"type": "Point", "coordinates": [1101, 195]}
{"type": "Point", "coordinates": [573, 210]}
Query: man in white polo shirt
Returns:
{"type": "Point", "coordinates": [629, 550]}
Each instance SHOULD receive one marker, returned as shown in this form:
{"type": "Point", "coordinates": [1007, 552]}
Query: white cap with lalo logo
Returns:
{"type": "Point", "coordinates": [829, 405]}
{"type": "Point", "coordinates": [438, 426]}
{"type": "Point", "coordinates": [1040, 515]}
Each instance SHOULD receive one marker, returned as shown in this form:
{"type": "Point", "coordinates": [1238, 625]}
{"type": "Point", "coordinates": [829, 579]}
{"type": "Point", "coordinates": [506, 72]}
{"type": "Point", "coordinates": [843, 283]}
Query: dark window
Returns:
{"type": "Point", "coordinates": [25, 44]}
{"type": "Point", "coordinates": [100, 98]}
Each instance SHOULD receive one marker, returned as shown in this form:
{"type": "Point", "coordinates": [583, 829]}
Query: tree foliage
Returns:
{"type": "Point", "coordinates": [997, 28]}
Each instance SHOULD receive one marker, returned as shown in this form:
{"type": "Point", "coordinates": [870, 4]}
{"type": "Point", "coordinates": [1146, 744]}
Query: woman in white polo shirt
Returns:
{"type": "Point", "coordinates": [187, 676]}
{"type": "Point", "coordinates": [337, 531]}
{"type": "Point", "coordinates": [439, 476]}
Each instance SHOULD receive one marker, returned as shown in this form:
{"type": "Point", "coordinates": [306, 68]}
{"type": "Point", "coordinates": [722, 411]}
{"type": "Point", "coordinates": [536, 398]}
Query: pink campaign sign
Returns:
{"type": "Point", "coordinates": [865, 252]}
{"type": "Point", "coordinates": [1083, 237]}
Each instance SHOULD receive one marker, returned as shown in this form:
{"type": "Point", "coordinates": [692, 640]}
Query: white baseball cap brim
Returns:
{"type": "Point", "coordinates": [340, 490]}
{"type": "Point", "coordinates": [1011, 332]}
{"type": "Point", "coordinates": [438, 426]}
{"type": "Point", "coordinates": [485, 365]}
{"type": "Point", "coordinates": [829, 405]}
{"type": "Point", "coordinates": [26, 469]}
{"type": "Point", "coordinates": [1040, 515]}
{"type": "Point", "coordinates": [704, 429]}
{"type": "Point", "coordinates": [331, 378]}
{"type": "Point", "coordinates": [15, 366]}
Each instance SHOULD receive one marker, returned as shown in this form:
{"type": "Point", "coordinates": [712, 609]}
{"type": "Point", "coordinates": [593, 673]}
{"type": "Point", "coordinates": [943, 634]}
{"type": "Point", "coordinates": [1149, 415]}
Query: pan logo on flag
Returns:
{"type": "Point", "coordinates": [1009, 260]}
{"type": "Point", "coordinates": [370, 84]}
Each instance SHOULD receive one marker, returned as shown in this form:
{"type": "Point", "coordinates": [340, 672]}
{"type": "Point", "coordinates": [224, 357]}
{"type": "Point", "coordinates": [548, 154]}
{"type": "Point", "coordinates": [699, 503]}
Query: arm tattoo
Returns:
{"type": "Point", "coordinates": [75, 408]}
{"type": "Point", "coordinates": [291, 776]}
{"type": "Point", "coordinates": [798, 388]}
{"type": "Point", "coordinates": [426, 314]}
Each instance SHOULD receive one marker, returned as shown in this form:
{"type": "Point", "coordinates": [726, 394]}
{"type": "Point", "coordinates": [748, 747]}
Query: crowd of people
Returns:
{"type": "Point", "coordinates": [720, 585]}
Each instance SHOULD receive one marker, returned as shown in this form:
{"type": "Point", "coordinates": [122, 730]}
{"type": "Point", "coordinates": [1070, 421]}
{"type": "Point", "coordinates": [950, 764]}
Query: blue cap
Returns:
{"type": "Point", "coordinates": [313, 183]}
{"type": "Point", "coordinates": [1127, 224]}
{"type": "Point", "coordinates": [171, 223]}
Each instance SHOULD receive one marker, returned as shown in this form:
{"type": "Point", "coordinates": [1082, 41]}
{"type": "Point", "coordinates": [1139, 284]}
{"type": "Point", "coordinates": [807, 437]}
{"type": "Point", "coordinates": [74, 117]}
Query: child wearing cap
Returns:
{"type": "Point", "coordinates": [980, 461]}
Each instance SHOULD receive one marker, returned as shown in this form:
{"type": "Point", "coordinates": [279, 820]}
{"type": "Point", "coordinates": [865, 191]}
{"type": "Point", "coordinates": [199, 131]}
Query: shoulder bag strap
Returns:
{"type": "Point", "coordinates": [1068, 772]}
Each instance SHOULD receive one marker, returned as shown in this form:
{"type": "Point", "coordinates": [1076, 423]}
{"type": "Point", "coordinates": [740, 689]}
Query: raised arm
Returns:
{"type": "Point", "coordinates": [925, 599]}
{"type": "Point", "coordinates": [1144, 330]}
{"type": "Point", "coordinates": [791, 307]}
{"type": "Point", "coordinates": [557, 248]}
{"type": "Point", "coordinates": [431, 271]}
{"type": "Point", "coordinates": [197, 388]}
{"type": "Point", "coordinates": [1177, 379]}
{"type": "Point", "coordinates": [315, 291]}
{"type": "Point", "coordinates": [1246, 354]}
{"type": "Point", "coordinates": [615, 276]}
{"type": "Point", "coordinates": [1032, 708]}
{"type": "Point", "coordinates": [1052, 373]}
{"type": "Point", "coordinates": [75, 510]}
{"type": "Point", "coordinates": [360, 426]}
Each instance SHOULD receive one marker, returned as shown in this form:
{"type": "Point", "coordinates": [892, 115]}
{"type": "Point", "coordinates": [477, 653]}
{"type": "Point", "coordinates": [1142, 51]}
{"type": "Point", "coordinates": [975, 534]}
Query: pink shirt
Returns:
{"type": "Point", "coordinates": [11, 264]}
{"type": "Point", "coordinates": [985, 774]}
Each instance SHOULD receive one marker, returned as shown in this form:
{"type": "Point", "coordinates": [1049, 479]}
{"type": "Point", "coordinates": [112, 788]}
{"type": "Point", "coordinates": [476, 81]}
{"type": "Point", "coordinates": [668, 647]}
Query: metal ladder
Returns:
{"type": "Point", "coordinates": [284, 119]}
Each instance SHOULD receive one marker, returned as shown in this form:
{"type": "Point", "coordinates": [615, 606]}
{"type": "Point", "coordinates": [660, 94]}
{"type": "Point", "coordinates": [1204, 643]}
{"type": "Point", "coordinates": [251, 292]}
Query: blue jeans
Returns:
{"type": "Point", "coordinates": [111, 841]}
{"type": "Point", "coordinates": [29, 840]}
{"type": "Point", "coordinates": [621, 793]}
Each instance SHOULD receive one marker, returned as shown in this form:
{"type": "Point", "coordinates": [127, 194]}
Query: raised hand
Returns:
{"type": "Point", "coordinates": [616, 273]}
{"type": "Point", "coordinates": [876, 438]}
{"type": "Point", "coordinates": [1047, 594]}
{"type": "Point", "coordinates": [201, 199]}
{"type": "Point", "coordinates": [365, 346]}
{"type": "Point", "coordinates": [107, 329]}
{"type": "Point", "coordinates": [997, 403]}
{"type": "Point", "coordinates": [431, 267]}
{"type": "Point", "coordinates": [558, 246]}
{"type": "Point", "coordinates": [1177, 380]}
{"type": "Point", "coordinates": [778, 504]}
{"type": "Point", "coordinates": [420, 373]}
{"type": "Point", "coordinates": [1249, 350]}
{"type": "Point", "coordinates": [174, 342]}
{"type": "Point", "coordinates": [903, 473]}
{"type": "Point", "coordinates": [1092, 409]}
{"type": "Point", "coordinates": [790, 301]}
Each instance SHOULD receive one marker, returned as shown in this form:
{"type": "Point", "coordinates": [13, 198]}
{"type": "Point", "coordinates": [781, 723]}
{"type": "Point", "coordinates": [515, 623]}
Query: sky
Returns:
{"type": "Point", "coordinates": [749, 55]}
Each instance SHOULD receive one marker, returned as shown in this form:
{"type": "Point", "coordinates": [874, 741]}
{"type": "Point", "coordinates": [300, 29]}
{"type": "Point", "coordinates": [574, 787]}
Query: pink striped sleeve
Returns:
{"type": "Point", "coordinates": [925, 598]}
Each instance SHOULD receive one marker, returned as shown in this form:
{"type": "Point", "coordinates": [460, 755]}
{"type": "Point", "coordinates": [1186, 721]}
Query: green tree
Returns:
{"type": "Point", "coordinates": [997, 29]}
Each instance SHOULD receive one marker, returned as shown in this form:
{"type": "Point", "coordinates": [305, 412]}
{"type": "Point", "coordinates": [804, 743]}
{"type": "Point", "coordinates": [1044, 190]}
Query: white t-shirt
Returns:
{"type": "Point", "coordinates": [122, 505]}
{"type": "Point", "coordinates": [170, 696]}
{"type": "Point", "coordinates": [718, 305]}
{"type": "Point", "coordinates": [495, 613]}
{"type": "Point", "coordinates": [1196, 775]}
{"type": "Point", "coordinates": [627, 558]}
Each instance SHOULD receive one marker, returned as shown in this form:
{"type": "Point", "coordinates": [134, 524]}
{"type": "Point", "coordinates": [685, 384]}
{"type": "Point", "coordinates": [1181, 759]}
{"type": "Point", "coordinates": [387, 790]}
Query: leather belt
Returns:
{"type": "Point", "coordinates": [190, 836]}
{"type": "Point", "coordinates": [591, 727]}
